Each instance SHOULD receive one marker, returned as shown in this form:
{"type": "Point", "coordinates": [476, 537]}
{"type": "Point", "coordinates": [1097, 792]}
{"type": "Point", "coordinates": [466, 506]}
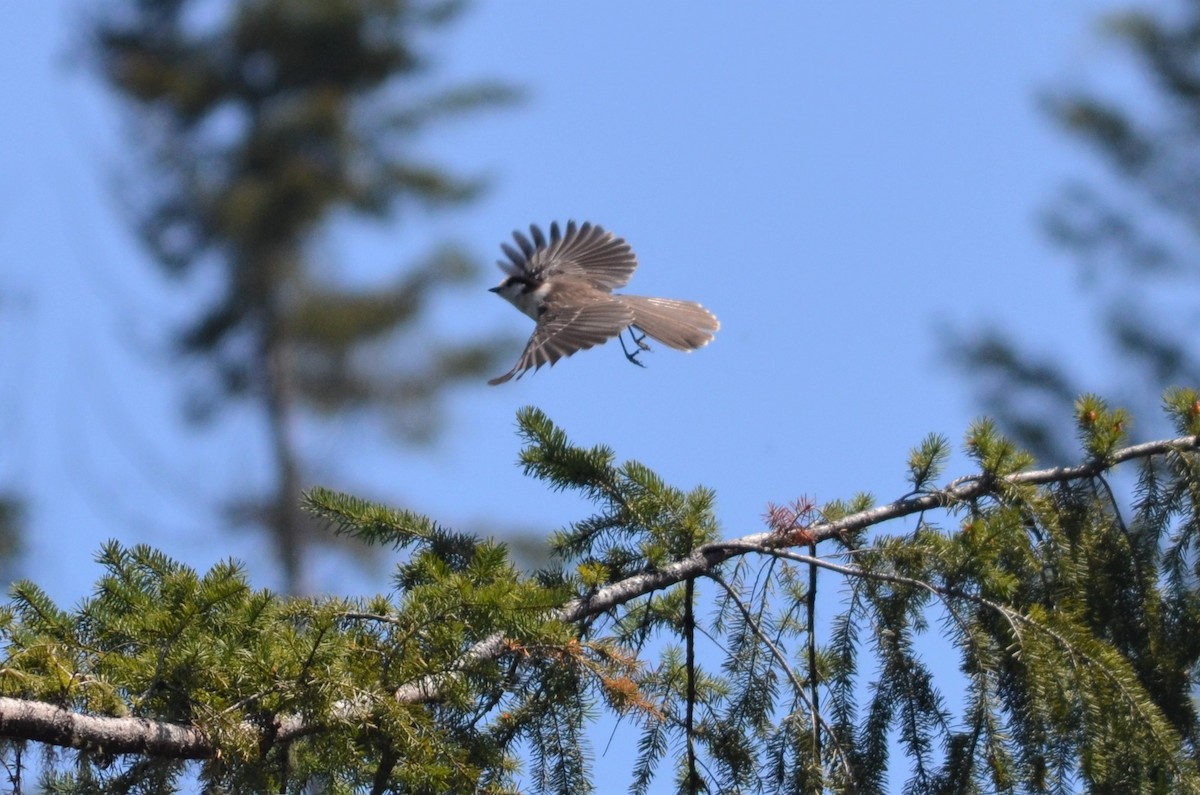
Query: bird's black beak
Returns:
{"type": "Point", "coordinates": [495, 289]}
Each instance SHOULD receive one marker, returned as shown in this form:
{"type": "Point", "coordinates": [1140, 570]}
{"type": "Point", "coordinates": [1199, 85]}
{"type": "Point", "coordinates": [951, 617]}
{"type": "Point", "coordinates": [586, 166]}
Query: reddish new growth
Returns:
{"type": "Point", "coordinates": [791, 521]}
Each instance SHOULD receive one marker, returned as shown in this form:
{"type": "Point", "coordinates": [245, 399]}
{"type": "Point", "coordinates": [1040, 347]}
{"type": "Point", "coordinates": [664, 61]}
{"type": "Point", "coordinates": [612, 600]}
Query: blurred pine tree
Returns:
{"type": "Point", "coordinates": [1135, 237]}
{"type": "Point", "coordinates": [260, 122]}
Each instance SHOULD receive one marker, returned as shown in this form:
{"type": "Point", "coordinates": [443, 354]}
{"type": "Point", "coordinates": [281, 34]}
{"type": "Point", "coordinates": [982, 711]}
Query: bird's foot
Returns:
{"type": "Point", "coordinates": [639, 343]}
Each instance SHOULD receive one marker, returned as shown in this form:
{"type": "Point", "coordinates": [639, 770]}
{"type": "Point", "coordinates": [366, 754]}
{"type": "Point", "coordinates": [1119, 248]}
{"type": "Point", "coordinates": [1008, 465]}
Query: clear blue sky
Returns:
{"type": "Point", "coordinates": [837, 181]}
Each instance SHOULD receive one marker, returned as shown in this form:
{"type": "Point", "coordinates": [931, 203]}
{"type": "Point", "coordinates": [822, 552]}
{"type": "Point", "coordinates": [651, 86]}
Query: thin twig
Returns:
{"type": "Point", "coordinates": [781, 660]}
{"type": "Point", "coordinates": [813, 676]}
{"type": "Point", "coordinates": [689, 640]}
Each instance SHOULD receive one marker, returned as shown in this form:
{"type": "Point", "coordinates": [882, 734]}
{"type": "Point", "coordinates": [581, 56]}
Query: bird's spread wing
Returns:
{"type": "Point", "coordinates": [588, 251]}
{"type": "Point", "coordinates": [562, 330]}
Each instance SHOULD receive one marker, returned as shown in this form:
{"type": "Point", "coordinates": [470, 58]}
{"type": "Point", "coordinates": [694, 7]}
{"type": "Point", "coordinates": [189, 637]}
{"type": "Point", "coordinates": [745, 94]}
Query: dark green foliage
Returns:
{"type": "Point", "coordinates": [925, 462]}
{"type": "Point", "coordinates": [157, 640]}
{"type": "Point", "coordinates": [1100, 430]}
{"type": "Point", "coordinates": [1073, 623]}
{"type": "Point", "coordinates": [1051, 595]}
{"type": "Point", "coordinates": [369, 521]}
{"type": "Point", "coordinates": [1183, 407]}
{"type": "Point", "coordinates": [642, 524]}
{"type": "Point", "coordinates": [1057, 608]}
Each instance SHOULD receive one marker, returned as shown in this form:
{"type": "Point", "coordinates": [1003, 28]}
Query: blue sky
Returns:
{"type": "Point", "coordinates": [838, 182]}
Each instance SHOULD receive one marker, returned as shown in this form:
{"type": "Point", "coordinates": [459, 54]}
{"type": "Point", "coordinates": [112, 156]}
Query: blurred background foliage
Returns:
{"type": "Point", "coordinates": [259, 123]}
{"type": "Point", "coordinates": [1133, 235]}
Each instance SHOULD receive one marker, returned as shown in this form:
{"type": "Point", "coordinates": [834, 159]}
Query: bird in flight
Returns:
{"type": "Point", "coordinates": [565, 283]}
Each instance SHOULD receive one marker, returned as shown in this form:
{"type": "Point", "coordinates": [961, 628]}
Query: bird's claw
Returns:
{"type": "Point", "coordinates": [640, 342]}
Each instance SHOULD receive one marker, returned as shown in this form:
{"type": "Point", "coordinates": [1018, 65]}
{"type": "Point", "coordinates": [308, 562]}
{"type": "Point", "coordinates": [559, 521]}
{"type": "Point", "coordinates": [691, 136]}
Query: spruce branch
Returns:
{"type": "Point", "coordinates": [1076, 649]}
{"type": "Point", "coordinates": [782, 661]}
{"type": "Point", "coordinates": [47, 723]}
{"type": "Point", "coordinates": [53, 725]}
{"type": "Point", "coordinates": [689, 629]}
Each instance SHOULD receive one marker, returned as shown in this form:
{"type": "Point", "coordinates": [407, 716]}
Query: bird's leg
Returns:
{"type": "Point", "coordinates": [637, 341]}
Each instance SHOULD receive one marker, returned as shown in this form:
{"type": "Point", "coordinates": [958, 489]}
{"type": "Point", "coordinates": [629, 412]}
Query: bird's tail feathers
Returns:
{"type": "Point", "coordinates": [682, 325]}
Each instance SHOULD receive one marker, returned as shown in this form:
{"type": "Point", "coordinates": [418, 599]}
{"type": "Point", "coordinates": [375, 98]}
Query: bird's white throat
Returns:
{"type": "Point", "coordinates": [528, 301]}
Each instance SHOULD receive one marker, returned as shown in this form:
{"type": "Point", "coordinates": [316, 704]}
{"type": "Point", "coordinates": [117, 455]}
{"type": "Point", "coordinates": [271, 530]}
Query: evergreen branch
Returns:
{"type": "Point", "coordinates": [369, 521]}
{"type": "Point", "coordinates": [53, 725]}
{"type": "Point", "coordinates": [781, 660]}
{"type": "Point", "coordinates": [689, 629]}
{"type": "Point", "coordinates": [430, 688]}
{"type": "Point", "coordinates": [896, 579]}
{"type": "Point", "coordinates": [383, 771]}
{"type": "Point", "coordinates": [352, 615]}
{"type": "Point", "coordinates": [813, 680]}
{"type": "Point", "coordinates": [707, 557]}
{"type": "Point", "coordinates": [1153, 721]}
{"type": "Point", "coordinates": [973, 487]}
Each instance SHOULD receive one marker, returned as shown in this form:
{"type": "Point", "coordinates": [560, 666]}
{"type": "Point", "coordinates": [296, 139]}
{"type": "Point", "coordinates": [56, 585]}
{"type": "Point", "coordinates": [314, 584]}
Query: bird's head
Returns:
{"type": "Point", "coordinates": [510, 288]}
{"type": "Point", "coordinates": [522, 292]}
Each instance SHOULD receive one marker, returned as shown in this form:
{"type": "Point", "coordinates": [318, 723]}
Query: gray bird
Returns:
{"type": "Point", "coordinates": [565, 284]}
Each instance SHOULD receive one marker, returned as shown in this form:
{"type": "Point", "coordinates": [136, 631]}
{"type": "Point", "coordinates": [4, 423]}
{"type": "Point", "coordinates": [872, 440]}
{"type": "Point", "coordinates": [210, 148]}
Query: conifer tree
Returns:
{"type": "Point", "coordinates": [1134, 238]}
{"type": "Point", "coordinates": [260, 122]}
{"type": "Point", "coordinates": [1073, 617]}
